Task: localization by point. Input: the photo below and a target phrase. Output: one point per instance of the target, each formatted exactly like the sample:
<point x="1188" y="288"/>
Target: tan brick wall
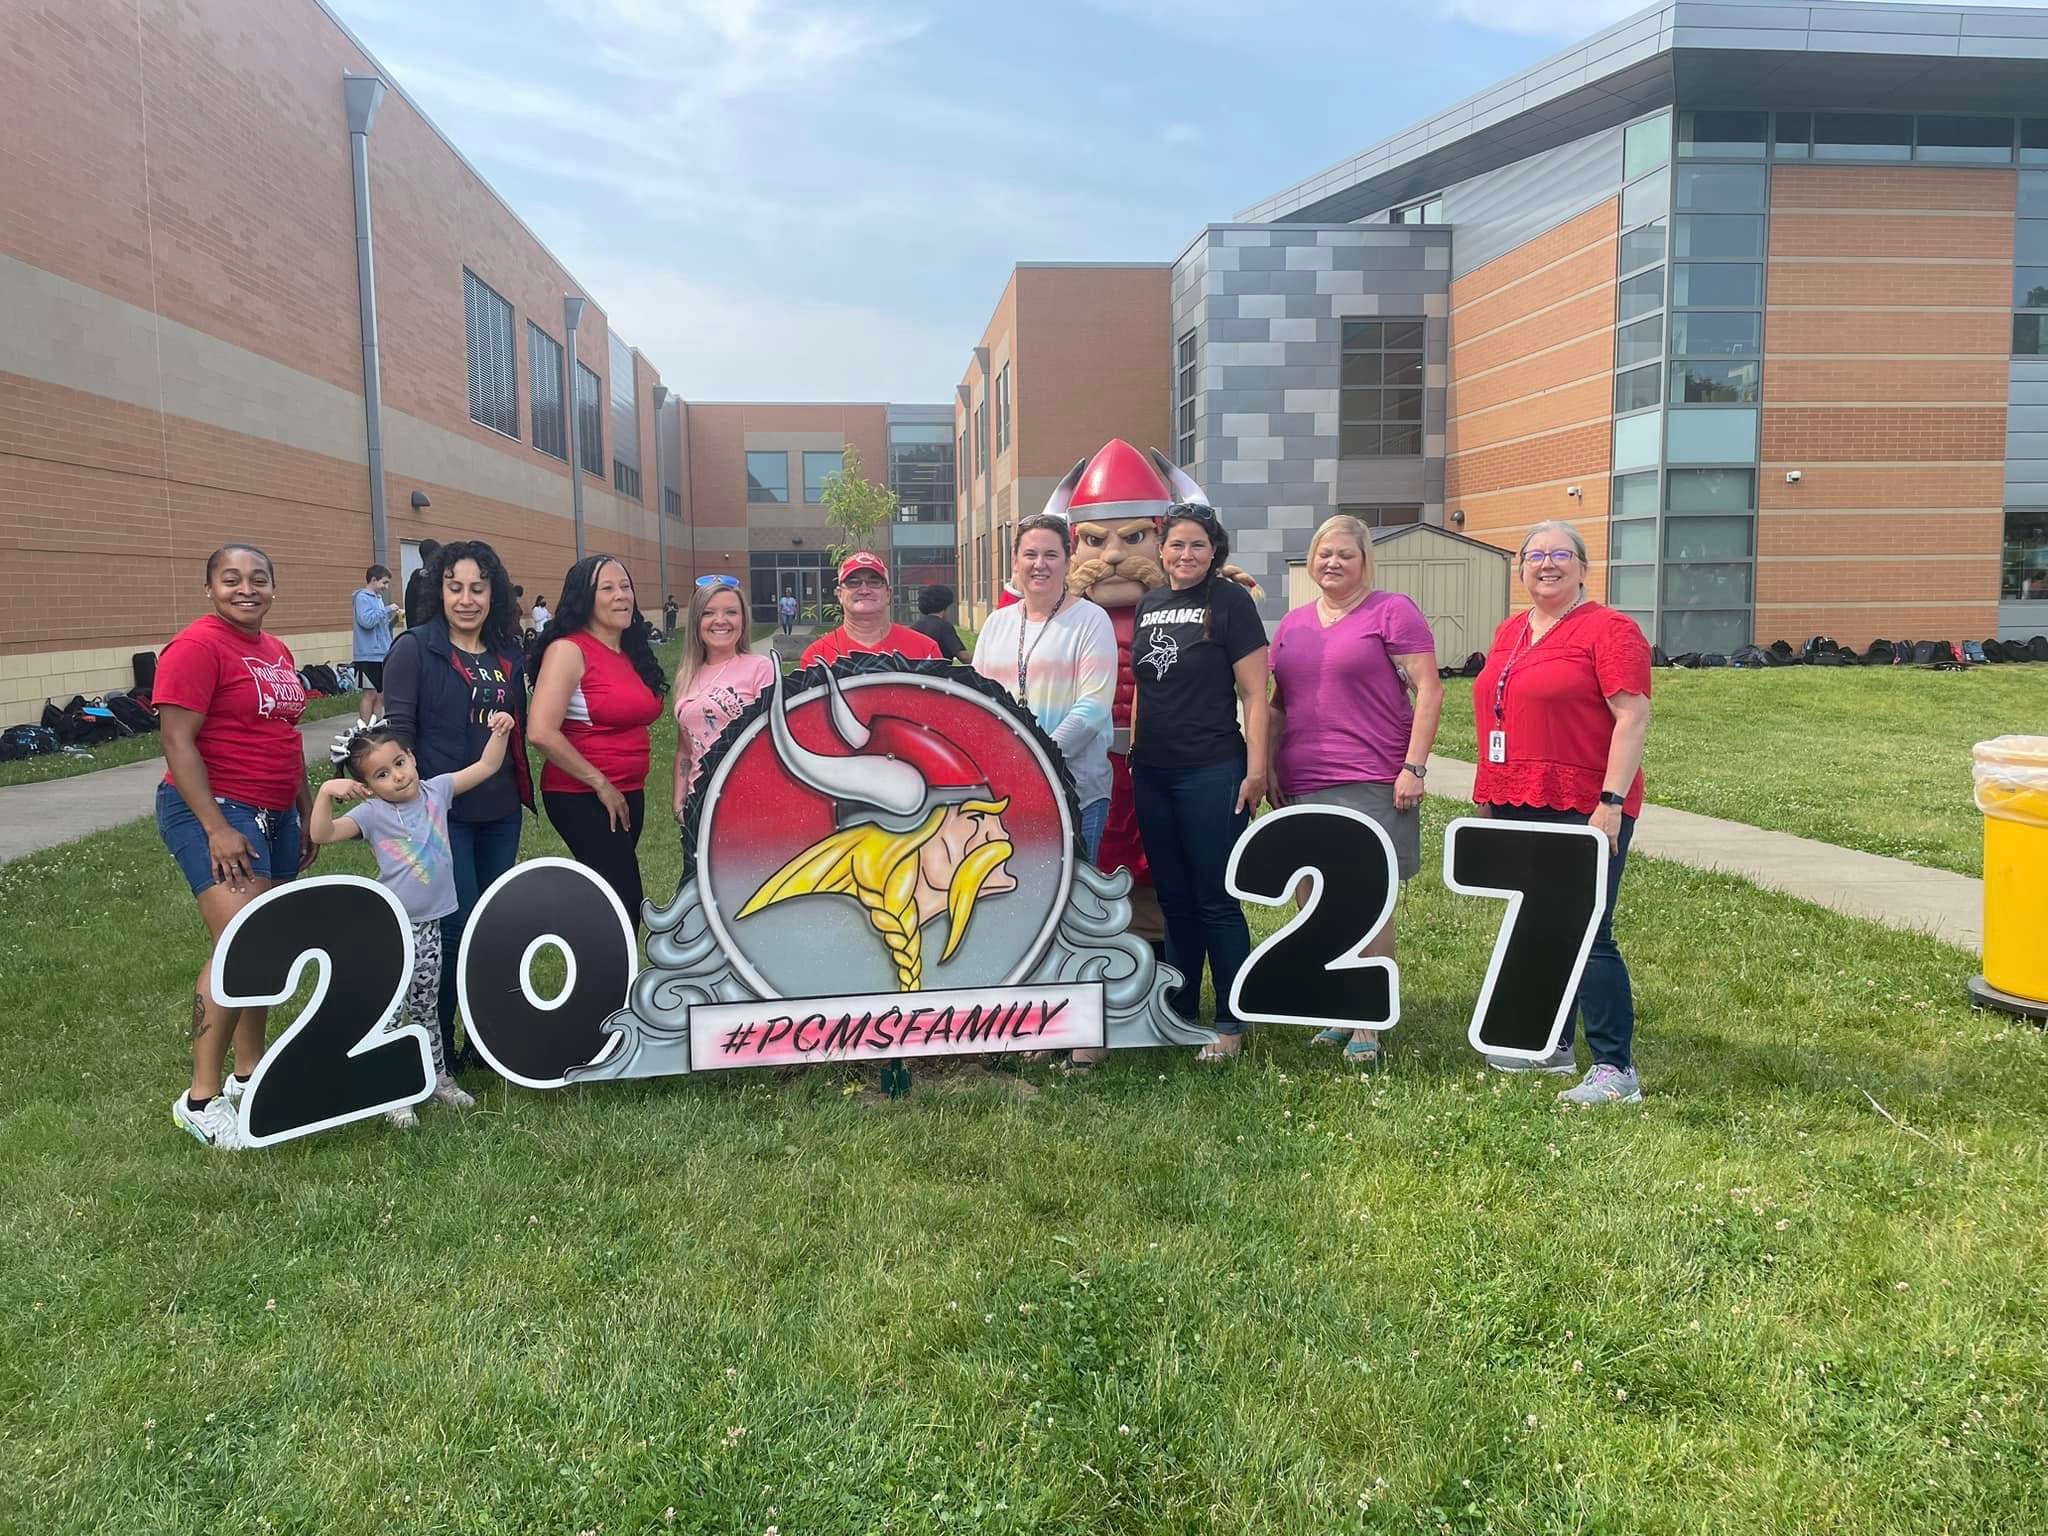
<point x="1884" y="386"/>
<point x="1530" y="405"/>
<point x="193" y="172"/>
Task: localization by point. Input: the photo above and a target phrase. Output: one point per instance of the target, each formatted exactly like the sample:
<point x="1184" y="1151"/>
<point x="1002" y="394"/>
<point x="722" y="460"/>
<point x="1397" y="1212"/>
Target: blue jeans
<point x="481" y="851"/>
<point x="1094" y="817"/>
<point x="1604" y="996"/>
<point x="273" y="837"/>
<point x="1188" y="822"/>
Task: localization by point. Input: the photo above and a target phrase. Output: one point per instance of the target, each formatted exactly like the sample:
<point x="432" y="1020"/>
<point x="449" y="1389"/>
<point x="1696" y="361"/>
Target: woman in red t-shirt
<point x="232" y="805"/>
<point x="597" y="687"/>
<point x="1562" y="708"/>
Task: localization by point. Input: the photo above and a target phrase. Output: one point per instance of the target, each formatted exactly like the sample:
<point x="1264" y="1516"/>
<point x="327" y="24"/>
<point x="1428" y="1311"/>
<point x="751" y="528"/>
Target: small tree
<point x="855" y="506"/>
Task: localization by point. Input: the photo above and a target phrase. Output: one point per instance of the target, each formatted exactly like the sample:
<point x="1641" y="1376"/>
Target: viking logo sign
<point x="880" y="861"/>
<point x="1164" y="653"/>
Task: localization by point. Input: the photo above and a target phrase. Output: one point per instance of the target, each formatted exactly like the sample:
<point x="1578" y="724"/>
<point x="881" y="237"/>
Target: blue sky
<point x="820" y="199"/>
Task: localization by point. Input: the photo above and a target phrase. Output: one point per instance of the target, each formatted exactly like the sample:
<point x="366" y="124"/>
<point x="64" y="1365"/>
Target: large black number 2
<point x="1554" y="880"/>
<point x="334" y="1064"/>
<point x="545" y="904"/>
<point x="1310" y="972"/>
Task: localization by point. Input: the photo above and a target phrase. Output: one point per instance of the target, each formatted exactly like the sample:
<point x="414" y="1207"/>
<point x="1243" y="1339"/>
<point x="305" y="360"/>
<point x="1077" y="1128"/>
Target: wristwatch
<point x="1609" y="797"/>
<point x="1417" y="769"/>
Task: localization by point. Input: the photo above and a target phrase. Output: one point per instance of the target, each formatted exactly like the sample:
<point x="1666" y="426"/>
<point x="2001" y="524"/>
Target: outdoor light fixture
<point x="420" y="502"/>
<point x="1458" y="517"/>
<point x="1575" y="493"/>
<point x="1791" y="477"/>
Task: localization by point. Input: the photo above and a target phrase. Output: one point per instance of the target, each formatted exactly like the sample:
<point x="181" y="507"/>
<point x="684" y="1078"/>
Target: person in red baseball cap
<point x="864" y="598"/>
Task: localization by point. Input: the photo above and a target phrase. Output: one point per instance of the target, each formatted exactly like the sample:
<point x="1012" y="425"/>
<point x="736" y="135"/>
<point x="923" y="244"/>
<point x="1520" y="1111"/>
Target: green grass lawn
<point x="1274" y="1297"/>
<point x="1872" y="758"/>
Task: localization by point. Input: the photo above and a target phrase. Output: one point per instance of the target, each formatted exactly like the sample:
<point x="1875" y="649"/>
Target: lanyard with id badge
<point x="1497" y="738"/>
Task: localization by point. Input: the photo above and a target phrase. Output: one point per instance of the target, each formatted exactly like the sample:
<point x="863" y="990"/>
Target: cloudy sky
<point x="820" y="199"/>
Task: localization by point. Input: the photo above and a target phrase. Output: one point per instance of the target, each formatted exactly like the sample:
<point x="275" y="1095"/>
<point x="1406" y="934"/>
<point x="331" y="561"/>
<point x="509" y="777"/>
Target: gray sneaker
<point x="1606" y="1085"/>
<point x="1560" y="1063"/>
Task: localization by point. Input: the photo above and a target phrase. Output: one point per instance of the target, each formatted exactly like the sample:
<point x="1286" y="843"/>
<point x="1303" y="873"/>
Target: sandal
<point x="1330" y="1037"/>
<point x="1080" y="1063"/>
<point x="1215" y="1052"/>
<point x="1362" y="1053"/>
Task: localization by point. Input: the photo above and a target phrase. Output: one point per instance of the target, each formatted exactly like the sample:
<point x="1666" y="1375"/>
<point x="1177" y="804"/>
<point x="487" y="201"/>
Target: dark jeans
<point x="614" y="857"/>
<point x="481" y="851"/>
<point x="1604" y="997"/>
<point x="1188" y="823"/>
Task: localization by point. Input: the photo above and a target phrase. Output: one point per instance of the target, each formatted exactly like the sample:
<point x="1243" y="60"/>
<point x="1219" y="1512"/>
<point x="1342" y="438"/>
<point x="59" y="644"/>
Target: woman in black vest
<point x="442" y="682"/>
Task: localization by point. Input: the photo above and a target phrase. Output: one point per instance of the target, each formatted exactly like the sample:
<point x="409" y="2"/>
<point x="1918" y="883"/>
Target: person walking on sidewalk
<point x="373" y="615"/>
<point x="785" y="608"/>
<point x="232" y="807"/>
<point x="1563" y="708"/>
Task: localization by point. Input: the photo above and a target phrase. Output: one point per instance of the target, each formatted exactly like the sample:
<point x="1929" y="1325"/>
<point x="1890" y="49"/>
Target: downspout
<point x="661" y="489"/>
<point x="361" y="95"/>
<point x="572" y="311"/>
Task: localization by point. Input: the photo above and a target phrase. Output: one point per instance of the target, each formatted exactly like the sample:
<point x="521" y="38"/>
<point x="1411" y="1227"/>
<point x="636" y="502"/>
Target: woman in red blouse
<point x="597" y="688"/>
<point x="232" y="806"/>
<point x="1562" y="708"/>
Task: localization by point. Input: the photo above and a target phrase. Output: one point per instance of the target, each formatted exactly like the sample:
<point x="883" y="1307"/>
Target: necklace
<point x="1330" y="614"/>
<point x="1024" y="656"/>
<point x="1534" y="637"/>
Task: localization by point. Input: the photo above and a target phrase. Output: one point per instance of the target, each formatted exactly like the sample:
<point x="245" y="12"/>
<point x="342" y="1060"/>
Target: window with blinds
<point x="589" y="420"/>
<point x="493" y="386"/>
<point x="544" y="384"/>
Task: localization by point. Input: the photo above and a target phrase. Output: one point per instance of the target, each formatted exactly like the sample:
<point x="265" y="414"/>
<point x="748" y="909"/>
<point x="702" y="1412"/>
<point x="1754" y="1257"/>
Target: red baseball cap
<point x="861" y="560"/>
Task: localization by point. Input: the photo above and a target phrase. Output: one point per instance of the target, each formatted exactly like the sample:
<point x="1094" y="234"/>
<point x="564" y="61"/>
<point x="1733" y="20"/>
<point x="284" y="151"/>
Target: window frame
<point x="590" y="416"/>
<point x="551" y="407"/>
<point x="754" y="482"/>
<point x="1350" y="396"/>
<point x="493" y="379"/>
<point x="839" y="458"/>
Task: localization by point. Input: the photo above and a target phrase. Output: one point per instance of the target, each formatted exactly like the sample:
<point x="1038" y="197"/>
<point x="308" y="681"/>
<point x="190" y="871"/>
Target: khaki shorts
<point x="1377" y="801"/>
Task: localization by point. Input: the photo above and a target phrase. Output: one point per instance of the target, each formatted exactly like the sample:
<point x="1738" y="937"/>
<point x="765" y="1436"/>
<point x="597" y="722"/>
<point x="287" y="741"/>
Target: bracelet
<point x="1417" y="769"/>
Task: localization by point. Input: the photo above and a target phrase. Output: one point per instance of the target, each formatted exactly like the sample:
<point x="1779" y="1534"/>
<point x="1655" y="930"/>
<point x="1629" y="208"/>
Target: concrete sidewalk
<point x="1950" y="907"/>
<point x="38" y="816"/>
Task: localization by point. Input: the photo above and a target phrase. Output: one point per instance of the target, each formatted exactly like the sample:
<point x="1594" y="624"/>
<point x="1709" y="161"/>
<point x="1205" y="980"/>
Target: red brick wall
<point x="1884" y="386"/>
<point x="1530" y="403"/>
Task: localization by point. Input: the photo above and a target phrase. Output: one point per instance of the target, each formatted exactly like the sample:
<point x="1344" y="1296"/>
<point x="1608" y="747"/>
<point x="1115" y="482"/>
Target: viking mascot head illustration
<point x="920" y="832"/>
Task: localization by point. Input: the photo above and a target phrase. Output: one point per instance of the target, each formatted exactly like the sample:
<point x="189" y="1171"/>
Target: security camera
<point x="1791" y="477"/>
<point x="1573" y="491"/>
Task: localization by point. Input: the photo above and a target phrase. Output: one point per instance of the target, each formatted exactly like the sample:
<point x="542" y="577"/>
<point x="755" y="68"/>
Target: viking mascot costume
<point x="1113" y="502"/>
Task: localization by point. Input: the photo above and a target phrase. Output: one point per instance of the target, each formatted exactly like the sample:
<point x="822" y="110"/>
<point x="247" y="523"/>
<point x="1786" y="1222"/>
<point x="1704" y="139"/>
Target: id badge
<point x="1496" y="746"/>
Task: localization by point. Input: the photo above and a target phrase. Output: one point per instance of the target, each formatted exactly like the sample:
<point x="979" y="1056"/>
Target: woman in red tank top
<point x="597" y="687"/>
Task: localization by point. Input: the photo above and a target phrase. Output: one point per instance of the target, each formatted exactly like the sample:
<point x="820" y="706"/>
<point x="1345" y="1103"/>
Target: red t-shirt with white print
<point x="247" y="693"/>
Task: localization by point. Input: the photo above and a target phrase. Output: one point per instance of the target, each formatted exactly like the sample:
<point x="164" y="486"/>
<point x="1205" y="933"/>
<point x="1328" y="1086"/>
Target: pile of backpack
<point x="322" y="681"/>
<point x="1821" y="651"/>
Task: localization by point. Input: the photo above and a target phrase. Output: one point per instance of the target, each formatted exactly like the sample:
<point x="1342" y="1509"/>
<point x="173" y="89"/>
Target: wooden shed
<point x="1459" y="583"/>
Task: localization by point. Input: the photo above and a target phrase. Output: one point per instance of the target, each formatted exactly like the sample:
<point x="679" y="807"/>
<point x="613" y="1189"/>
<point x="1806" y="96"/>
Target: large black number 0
<point x="545" y="904"/>
<point x="1554" y="880"/>
<point x="334" y="1064"/>
<point x="1310" y="972"/>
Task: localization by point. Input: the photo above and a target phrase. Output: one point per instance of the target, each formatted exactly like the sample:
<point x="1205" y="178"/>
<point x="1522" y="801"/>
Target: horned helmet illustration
<point x="920" y="832"/>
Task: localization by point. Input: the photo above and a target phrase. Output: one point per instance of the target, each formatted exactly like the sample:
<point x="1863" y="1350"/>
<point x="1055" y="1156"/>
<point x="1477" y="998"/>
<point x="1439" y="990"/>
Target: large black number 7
<point x="334" y="1064"/>
<point x="1554" y="880"/>
<point x="1310" y="972"/>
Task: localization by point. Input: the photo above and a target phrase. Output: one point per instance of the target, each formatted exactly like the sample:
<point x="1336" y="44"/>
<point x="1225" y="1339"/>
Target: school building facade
<point x="1753" y="294"/>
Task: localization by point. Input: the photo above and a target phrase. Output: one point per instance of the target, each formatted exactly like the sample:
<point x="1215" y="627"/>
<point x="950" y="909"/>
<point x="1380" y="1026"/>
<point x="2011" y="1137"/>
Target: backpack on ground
<point x="2037" y="648"/>
<point x="20" y="741"/>
<point x="137" y="716"/>
<point x="1749" y="657"/>
<point x="1473" y="663"/>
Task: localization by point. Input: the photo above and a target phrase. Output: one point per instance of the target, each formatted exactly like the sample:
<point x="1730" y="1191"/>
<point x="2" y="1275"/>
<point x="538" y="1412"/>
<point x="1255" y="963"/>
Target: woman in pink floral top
<point x="718" y="679"/>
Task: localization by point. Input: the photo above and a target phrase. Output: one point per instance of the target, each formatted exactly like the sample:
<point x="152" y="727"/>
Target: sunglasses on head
<point x="719" y="579"/>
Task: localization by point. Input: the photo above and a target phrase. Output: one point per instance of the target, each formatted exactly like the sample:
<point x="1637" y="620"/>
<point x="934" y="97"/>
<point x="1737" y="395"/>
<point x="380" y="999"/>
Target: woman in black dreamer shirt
<point x="1198" y="651"/>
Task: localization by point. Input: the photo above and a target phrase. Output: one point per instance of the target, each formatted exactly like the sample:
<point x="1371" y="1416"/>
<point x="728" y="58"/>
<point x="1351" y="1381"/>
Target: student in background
<point x="373" y="615"/>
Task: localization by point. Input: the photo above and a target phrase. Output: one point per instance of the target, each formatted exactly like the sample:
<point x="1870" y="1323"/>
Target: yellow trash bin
<point x="2010" y="775"/>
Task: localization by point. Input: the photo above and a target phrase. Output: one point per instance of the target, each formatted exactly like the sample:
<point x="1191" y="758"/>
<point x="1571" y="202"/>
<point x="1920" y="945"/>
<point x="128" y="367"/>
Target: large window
<point x="1380" y="516"/>
<point x="981" y="439"/>
<point x="2023" y="573"/>
<point x="625" y="418"/>
<point x="1430" y="210"/>
<point x="1003" y="410"/>
<point x="921" y="473"/>
<point x="544" y="371"/>
<point x="493" y="375"/>
<point x="1380" y="406"/>
<point x="1184" y="409"/>
<point x="2030" y="273"/>
<point x="768" y="477"/>
<point x="961" y="461"/>
<point x="816" y="467"/>
<point x="589" y="420"/>
<point x="672" y="504"/>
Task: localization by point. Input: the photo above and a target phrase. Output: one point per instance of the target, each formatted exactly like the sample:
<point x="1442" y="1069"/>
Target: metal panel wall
<point x="1494" y="213"/>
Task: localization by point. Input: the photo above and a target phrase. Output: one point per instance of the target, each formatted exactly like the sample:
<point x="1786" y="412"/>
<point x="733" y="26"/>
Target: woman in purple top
<point x="1356" y="699"/>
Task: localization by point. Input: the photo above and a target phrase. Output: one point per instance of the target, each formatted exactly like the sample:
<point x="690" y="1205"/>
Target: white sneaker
<point x="232" y="1088"/>
<point x="402" y="1119"/>
<point x="445" y="1092"/>
<point x="214" y="1126"/>
<point x="1559" y="1063"/>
